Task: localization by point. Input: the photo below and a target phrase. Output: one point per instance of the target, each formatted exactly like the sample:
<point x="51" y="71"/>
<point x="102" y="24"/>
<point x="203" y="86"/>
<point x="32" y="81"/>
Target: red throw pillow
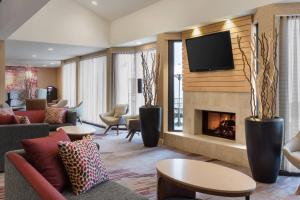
<point x="42" y="153"/>
<point x="34" y="116"/>
<point x="7" y="116"/>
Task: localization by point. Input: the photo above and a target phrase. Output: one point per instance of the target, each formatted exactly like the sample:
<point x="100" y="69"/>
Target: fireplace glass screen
<point x="219" y="124"/>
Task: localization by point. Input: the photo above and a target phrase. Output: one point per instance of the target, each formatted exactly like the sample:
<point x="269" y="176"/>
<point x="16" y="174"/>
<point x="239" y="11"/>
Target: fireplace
<point x="218" y="124"/>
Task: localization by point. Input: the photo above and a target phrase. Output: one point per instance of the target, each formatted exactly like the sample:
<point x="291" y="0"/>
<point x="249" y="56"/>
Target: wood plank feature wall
<point x="222" y="80"/>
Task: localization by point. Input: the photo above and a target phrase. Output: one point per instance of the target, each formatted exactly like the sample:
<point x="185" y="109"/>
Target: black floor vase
<point x="151" y="119"/>
<point x="264" y="140"/>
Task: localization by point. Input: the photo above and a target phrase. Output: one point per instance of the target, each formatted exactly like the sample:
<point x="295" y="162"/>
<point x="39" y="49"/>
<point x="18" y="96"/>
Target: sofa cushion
<point x="108" y="191"/>
<point x="83" y="163"/>
<point x="42" y="153"/>
<point x="55" y="115"/>
<point x="35" y="116"/>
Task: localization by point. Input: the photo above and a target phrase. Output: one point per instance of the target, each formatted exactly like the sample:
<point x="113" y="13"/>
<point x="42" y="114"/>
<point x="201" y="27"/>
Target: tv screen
<point x="210" y="52"/>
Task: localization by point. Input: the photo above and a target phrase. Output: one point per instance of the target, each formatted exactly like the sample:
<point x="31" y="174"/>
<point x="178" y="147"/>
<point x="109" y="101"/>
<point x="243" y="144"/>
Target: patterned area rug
<point x="133" y="165"/>
<point x="2" y="193"/>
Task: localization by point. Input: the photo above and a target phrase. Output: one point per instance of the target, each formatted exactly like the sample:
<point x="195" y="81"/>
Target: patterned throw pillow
<point x="83" y="163"/>
<point x="22" y="119"/>
<point x="55" y="115"/>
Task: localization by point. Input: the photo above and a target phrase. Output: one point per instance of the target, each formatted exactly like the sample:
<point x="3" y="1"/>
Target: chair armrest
<point x="293" y="145"/>
<point x="71" y="117"/>
<point x="18" y="170"/>
<point x="110" y="113"/>
<point x="12" y="135"/>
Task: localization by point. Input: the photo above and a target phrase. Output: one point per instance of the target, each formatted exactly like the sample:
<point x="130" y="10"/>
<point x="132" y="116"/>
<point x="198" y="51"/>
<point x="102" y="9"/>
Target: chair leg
<point x="129" y="133"/>
<point x="107" y="129"/>
<point x="79" y="120"/>
<point x="117" y="129"/>
<point x="132" y="134"/>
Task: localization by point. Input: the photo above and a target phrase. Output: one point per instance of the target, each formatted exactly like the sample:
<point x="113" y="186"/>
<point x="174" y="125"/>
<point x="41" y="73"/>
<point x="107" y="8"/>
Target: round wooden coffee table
<point x="183" y="178"/>
<point x="77" y="132"/>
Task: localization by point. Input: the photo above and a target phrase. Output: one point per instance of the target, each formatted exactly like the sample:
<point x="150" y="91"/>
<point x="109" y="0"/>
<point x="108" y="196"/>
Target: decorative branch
<point x="150" y="78"/>
<point x="263" y="81"/>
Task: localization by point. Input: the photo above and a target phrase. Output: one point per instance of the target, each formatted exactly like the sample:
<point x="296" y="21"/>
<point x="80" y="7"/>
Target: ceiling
<point x="38" y="54"/>
<point x="114" y="9"/>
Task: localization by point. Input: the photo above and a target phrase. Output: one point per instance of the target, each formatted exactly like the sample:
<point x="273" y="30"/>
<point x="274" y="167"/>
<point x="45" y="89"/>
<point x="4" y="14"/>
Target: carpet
<point x="133" y="165"/>
<point x="2" y="193"/>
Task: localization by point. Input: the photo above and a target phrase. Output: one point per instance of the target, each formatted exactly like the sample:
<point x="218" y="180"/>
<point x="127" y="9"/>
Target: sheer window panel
<point x="92" y="88"/>
<point x="289" y="81"/>
<point x="69" y="83"/>
<point x="125" y="81"/>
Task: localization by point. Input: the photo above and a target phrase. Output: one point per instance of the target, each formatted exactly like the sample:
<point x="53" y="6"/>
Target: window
<point x="289" y="79"/>
<point x="127" y="71"/>
<point x="125" y="82"/>
<point x="69" y="83"/>
<point x="175" y="117"/>
<point x="92" y="88"/>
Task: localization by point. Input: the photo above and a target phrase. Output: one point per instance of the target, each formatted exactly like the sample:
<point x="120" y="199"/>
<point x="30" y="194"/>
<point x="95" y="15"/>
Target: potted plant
<point x="264" y="129"/>
<point x="150" y="113"/>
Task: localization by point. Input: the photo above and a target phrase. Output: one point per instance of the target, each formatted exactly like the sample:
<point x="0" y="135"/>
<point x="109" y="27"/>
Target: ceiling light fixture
<point x="95" y="3"/>
<point x="52" y="63"/>
<point x="34" y="55"/>
<point x="138" y="42"/>
<point x="44" y="65"/>
<point x="50" y="49"/>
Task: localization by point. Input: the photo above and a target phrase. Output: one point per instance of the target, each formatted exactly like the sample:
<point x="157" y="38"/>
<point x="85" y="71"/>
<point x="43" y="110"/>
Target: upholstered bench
<point x="23" y="181"/>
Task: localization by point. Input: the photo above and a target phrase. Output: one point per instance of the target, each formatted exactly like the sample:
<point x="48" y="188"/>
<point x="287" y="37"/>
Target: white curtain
<point x="69" y="83"/>
<point x="289" y="87"/>
<point x="127" y="70"/>
<point x="125" y="80"/>
<point x="92" y="88"/>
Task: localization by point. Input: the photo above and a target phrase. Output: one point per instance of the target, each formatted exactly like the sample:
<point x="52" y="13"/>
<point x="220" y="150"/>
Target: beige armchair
<point x="291" y="150"/>
<point x="115" y="117"/>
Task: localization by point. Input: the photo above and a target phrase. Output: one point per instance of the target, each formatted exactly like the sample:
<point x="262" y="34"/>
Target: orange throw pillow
<point x="55" y="115"/>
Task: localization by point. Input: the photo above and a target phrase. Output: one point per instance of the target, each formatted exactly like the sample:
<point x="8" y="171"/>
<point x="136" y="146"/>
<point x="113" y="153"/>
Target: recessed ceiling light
<point x="50" y="49"/>
<point x="95" y="3"/>
<point x="34" y="55"/>
<point x="52" y="63"/>
<point x="138" y="42"/>
<point x="44" y="65"/>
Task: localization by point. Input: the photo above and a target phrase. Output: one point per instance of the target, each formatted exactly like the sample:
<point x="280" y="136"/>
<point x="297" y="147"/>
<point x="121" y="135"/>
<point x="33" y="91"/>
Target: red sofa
<point x="23" y="181"/>
<point x="38" y="116"/>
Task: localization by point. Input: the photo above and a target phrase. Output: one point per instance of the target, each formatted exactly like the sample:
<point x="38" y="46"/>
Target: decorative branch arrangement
<point x="261" y="71"/>
<point x="150" y="78"/>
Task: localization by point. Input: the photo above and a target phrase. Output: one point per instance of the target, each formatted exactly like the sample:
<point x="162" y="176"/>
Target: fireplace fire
<point x="219" y="124"/>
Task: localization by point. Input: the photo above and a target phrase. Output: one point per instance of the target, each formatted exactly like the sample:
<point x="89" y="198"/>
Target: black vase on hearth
<point x="264" y="141"/>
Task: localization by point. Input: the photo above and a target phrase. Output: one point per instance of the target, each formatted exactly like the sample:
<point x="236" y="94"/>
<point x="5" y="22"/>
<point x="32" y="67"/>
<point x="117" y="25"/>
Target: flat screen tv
<point x="210" y="52"/>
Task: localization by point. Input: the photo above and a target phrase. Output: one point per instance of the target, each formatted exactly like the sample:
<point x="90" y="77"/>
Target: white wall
<point x="174" y="15"/>
<point x="65" y="22"/>
<point x="13" y="13"/>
